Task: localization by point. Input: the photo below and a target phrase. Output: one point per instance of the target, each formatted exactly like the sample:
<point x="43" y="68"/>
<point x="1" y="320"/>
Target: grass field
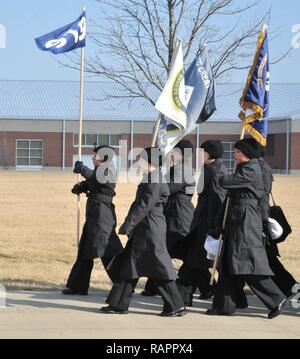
<point x="38" y="227"/>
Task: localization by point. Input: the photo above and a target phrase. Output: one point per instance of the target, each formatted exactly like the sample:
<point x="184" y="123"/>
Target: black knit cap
<point x="185" y="144"/>
<point x="153" y="156"/>
<point x="250" y="147"/>
<point x="109" y="151"/>
<point x="262" y="151"/>
<point x="214" y="148"/>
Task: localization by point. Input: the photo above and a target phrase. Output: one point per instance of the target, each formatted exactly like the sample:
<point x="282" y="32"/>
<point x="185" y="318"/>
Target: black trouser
<point x="80" y="275"/>
<point x="263" y="286"/>
<point x="191" y="278"/>
<point x="150" y="287"/>
<point x="121" y="294"/>
<point x="282" y="278"/>
<point x="239" y="295"/>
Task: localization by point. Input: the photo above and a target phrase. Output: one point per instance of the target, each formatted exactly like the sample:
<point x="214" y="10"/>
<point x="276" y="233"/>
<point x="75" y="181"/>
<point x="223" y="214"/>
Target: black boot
<point x="112" y="310"/>
<point x="207" y="295"/>
<point x="176" y="313"/>
<point x="277" y="310"/>
<point x="69" y="291"/>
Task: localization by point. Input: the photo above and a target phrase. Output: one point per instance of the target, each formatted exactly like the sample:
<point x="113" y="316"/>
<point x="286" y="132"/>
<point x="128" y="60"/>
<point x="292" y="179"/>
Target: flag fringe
<point x="253" y="67"/>
<point x="256" y="134"/>
<point x="259" y="112"/>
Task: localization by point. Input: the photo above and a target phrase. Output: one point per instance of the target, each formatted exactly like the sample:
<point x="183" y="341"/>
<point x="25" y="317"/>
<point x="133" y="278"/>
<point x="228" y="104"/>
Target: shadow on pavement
<point x="144" y="304"/>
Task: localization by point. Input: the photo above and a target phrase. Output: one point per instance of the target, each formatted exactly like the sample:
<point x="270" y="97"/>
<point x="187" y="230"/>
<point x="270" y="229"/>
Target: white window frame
<point x="97" y="134"/>
<point x="114" y="134"/>
<point x="29" y="166"/>
<point x="230" y="160"/>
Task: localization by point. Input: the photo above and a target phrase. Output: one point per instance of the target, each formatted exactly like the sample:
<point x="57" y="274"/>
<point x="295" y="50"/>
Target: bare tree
<point x="138" y="36"/>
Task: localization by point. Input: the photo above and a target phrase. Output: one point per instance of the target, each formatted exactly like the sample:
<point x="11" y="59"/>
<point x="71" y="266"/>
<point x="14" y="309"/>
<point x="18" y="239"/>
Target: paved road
<point x="35" y="314"/>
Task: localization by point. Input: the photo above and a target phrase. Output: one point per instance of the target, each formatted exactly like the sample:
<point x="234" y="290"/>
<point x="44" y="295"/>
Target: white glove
<point x="211" y="245"/>
<point x="275" y="229"/>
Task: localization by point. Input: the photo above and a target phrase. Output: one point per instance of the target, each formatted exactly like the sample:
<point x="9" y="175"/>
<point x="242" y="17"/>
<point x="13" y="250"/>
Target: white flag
<point x="172" y="101"/>
<point x="200" y="98"/>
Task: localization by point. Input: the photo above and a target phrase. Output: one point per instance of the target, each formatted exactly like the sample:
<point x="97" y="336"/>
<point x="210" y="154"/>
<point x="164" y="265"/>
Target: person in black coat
<point x="194" y="271"/>
<point x="282" y="278"/>
<point x="145" y="254"/>
<point x="243" y="255"/>
<point x="179" y="209"/>
<point x="99" y="238"/>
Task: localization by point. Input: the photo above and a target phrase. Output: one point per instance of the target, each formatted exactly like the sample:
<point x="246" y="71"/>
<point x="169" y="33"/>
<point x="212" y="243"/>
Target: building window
<point x="29" y="153"/>
<point x="114" y="140"/>
<point x="92" y="140"/>
<point x="103" y="140"/>
<point x="228" y="159"/>
<point x="75" y="140"/>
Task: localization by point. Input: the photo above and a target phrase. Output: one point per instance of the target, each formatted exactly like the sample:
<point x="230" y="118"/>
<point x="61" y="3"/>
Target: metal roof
<point x="284" y="101"/>
<point x="22" y="99"/>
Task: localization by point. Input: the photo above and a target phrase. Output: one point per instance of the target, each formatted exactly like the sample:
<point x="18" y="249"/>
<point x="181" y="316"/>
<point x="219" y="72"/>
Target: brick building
<point x="39" y="123"/>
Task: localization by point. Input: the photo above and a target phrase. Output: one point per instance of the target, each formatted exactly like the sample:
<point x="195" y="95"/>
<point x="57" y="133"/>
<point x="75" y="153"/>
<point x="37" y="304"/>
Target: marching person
<point x="145" y="254"/>
<point x="179" y="209"/>
<point x="244" y="256"/>
<point x="282" y="278"/>
<point x="99" y="238"/>
<point x="194" y="271"/>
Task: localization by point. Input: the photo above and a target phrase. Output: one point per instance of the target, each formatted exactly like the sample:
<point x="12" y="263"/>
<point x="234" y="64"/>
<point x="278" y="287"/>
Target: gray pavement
<point x="37" y="314"/>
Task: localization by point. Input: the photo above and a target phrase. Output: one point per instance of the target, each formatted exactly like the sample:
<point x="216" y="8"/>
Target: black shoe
<point x="146" y="293"/>
<point x="207" y="295"/>
<point x="189" y="304"/>
<point x="176" y="313"/>
<point x="277" y="310"/>
<point x="69" y="291"/>
<point x="112" y="310"/>
<point x="216" y="312"/>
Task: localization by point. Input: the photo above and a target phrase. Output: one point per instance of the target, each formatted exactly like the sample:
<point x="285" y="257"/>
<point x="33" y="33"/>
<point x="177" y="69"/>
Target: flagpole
<point x="223" y="224"/>
<point x="80" y="134"/>
<point x="154" y="137"/>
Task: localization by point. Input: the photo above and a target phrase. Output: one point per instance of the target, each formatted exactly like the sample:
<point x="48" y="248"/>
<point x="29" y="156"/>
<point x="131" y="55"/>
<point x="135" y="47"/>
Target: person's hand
<point x="76" y="189"/>
<point x="122" y="229"/>
<point x="78" y="167"/>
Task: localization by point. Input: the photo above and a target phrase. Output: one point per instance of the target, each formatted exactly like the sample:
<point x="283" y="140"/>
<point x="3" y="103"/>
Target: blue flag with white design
<point x="200" y="100"/>
<point x="66" y="38"/>
<point x="255" y="98"/>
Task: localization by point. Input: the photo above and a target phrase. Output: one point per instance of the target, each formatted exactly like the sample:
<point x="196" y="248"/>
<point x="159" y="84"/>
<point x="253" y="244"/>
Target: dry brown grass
<point x="38" y="227"/>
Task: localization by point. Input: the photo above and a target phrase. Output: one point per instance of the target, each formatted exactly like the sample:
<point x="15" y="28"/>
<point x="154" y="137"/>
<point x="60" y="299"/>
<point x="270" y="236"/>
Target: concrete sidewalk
<point x="51" y="315"/>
